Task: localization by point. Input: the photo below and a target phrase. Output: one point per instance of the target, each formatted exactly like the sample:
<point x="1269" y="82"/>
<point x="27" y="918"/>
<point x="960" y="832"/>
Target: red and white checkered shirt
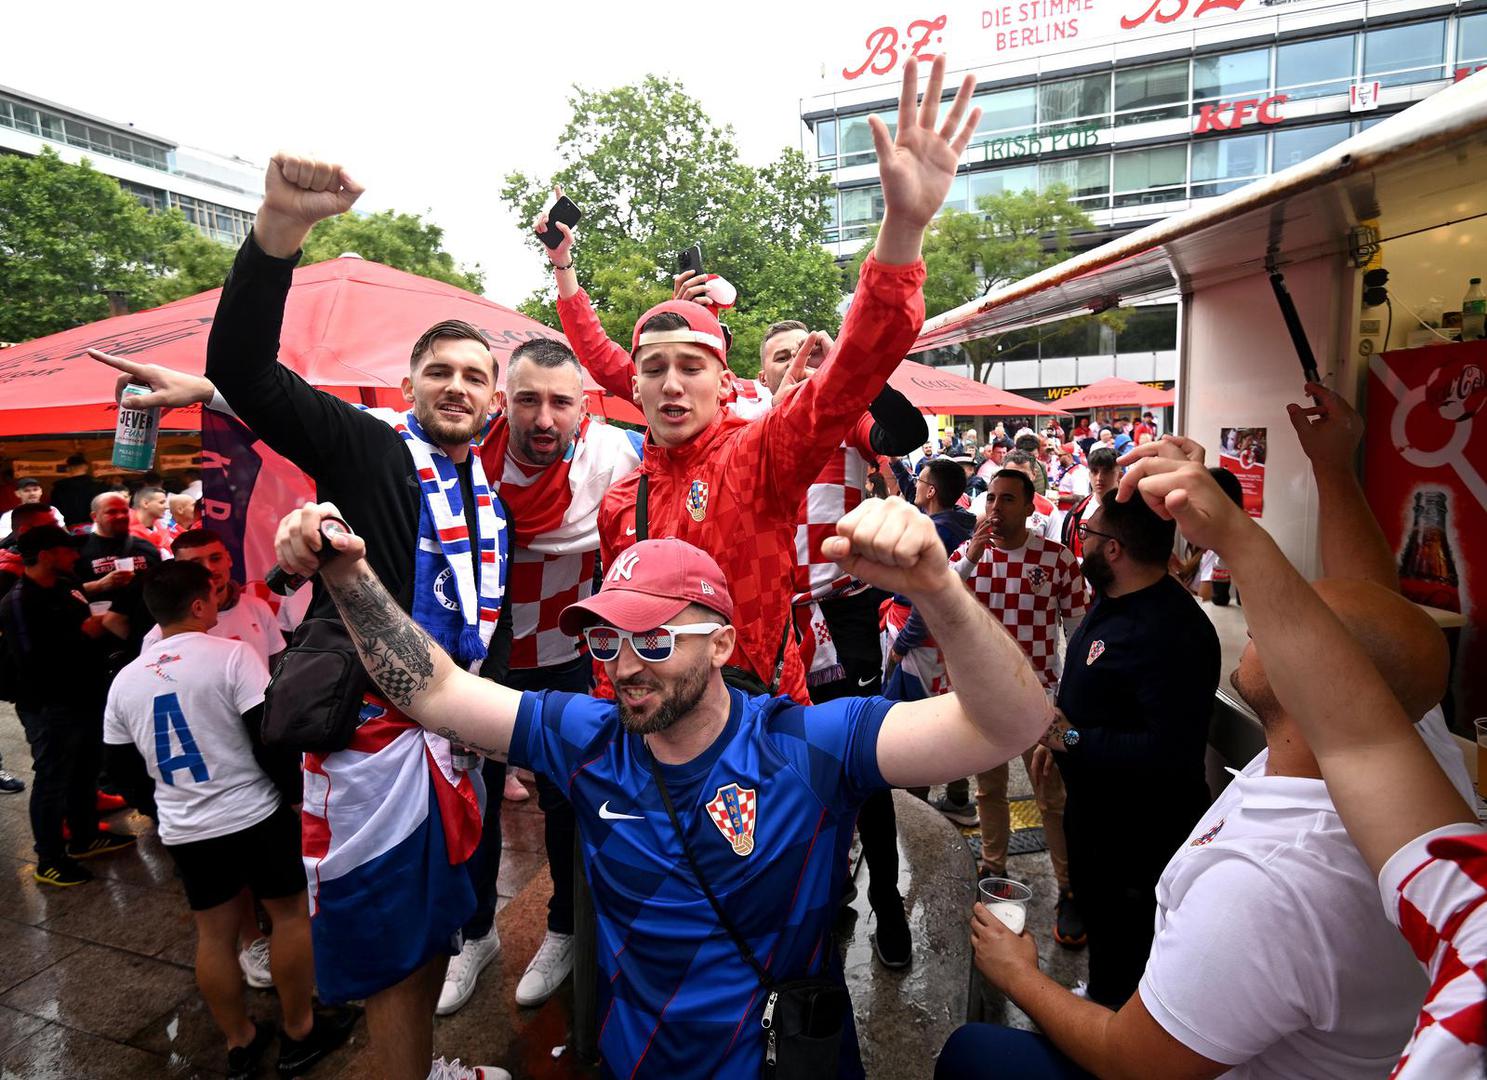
<point x="540" y="587"/>
<point x="837" y="491"/>
<point x="1028" y="590"/>
<point x="1435" y="891"/>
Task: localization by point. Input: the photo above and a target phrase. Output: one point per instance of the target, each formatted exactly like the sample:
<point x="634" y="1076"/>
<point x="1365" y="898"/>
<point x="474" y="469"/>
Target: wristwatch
<point x="1070" y="737"/>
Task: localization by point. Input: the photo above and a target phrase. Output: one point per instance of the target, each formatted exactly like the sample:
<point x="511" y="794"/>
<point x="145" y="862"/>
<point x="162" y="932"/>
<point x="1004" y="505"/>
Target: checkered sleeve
<point x="556" y="734"/>
<point x="1072" y="601"/>
<point x="962" y="563"/>
<point x="834" y="747"/>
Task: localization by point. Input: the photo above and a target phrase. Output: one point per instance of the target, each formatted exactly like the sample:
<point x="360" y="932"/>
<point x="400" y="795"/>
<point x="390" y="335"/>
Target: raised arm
<point x="1353" y="545"/>
<point x="416" y="675"/>
<point x="1383" y="780"/>
<point x="998" y="709"/>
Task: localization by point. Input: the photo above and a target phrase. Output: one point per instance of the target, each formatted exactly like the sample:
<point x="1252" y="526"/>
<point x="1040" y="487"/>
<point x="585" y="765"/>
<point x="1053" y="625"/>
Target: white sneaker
<point x="453" y="1070"/>
<point x="515" y="790"/>
<point x="464" y="969"/>
<point x="548" y="969"/>
<point x="254" y="962"/>
<point x="1081" y="989"/>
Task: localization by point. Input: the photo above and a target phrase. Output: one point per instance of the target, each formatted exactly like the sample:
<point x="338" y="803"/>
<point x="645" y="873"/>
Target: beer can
<point x="464" y="758"/>
<point x="135" y="433"/>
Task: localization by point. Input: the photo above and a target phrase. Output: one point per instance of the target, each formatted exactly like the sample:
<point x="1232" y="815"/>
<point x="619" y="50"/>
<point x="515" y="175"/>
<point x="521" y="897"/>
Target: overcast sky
<point x="429" y="103"/>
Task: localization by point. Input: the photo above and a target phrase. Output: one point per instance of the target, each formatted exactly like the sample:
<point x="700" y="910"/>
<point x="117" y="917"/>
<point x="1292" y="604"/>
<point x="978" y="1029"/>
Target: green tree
<point x="68" y="236"/>
<point x="653" y="174"/>
<point x="1011" y="236"/>
<point x="402" y="241"/>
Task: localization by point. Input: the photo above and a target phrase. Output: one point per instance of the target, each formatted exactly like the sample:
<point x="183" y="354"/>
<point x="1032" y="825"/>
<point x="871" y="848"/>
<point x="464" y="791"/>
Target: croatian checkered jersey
<point x="768" y="812"/>
<point x="838" y="490"/>
<point x="1435" y="891"/>
<point x="1029" y="590"/>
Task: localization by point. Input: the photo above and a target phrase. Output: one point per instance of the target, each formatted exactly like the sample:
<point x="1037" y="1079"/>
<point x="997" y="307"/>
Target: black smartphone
<point x="564" y="210"/>
<point x="689" y="262"/>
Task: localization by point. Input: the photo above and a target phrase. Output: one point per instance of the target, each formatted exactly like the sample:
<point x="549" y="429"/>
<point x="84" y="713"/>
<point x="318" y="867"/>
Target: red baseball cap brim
<point x="629" y="610"/>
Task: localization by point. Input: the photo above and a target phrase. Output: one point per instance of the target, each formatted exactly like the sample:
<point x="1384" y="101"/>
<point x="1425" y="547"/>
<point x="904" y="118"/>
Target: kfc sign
<point x="1226" y="116"/>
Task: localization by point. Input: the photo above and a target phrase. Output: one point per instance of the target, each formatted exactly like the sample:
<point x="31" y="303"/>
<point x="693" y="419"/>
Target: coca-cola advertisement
<point x="1425" y="459"/>
<point x="1242" y="452"/>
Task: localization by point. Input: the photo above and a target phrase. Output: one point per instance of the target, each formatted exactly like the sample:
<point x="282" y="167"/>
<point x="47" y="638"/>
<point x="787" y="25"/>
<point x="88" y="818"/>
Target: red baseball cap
<point x="702" y="329"/>
<point x="649" y="583"/>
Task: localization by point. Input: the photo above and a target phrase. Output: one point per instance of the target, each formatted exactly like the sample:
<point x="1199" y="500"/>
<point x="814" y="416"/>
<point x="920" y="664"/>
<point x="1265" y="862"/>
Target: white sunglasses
<point x="652" y="646"/>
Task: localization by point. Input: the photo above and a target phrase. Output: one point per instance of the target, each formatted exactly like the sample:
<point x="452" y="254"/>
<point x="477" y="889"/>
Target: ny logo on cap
<point x="624" y="566"/>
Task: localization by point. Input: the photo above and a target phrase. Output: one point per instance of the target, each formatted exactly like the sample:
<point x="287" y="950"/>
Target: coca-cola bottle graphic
<point x="1427" y="572"/>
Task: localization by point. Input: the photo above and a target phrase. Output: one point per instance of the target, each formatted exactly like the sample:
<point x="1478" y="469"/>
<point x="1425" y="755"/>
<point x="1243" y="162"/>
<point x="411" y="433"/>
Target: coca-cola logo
<point x="1457" y="391"/>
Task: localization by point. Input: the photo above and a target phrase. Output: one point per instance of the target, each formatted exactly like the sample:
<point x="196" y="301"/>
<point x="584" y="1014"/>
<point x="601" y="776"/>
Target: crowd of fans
<point x="718" y="653"/>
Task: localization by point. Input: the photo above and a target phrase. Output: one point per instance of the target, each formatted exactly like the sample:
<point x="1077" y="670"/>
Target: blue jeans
<point x="1003" y="1053"/>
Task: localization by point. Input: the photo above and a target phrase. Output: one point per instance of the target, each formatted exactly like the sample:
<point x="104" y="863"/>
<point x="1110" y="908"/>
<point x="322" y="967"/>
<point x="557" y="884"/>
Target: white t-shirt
<point x="1435" y="891"/>
<point x="1432" y="728"/>
<point x="250" y="621"/>
<point x="181" y="703"/>
<point x="1271" y="952"/>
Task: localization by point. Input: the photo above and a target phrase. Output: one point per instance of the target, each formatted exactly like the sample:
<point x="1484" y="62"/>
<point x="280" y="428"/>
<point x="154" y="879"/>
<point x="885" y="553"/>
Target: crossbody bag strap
<point x="743" y="946"/>
<point x="643" y="507"/>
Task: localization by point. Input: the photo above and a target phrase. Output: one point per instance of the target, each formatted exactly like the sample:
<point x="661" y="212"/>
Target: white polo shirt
<point x="1272" y="952"/>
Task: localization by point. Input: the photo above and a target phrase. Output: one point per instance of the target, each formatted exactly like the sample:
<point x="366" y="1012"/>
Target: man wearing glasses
<point x="1129" y="735"/>
<point x="764" y="790"/>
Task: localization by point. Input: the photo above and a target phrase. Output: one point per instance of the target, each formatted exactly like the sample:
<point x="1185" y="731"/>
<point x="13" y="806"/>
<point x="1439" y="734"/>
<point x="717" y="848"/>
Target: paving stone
<point x="133" y="917"/>
<point x="104" y="992"/>
<point x="27" y="950"/>
<point x="55" y="1052"/>
<point x="16" y="1026"/>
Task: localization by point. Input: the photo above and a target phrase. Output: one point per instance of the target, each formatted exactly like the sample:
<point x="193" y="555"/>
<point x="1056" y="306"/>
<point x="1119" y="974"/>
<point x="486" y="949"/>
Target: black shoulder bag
<point x="735" y="676"/>
<point x="803" y="1019"/>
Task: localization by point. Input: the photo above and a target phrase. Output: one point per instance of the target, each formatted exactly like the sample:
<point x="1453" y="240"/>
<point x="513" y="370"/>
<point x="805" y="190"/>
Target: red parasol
<point x="348" y="327"/>
<point x="933" y="390"/>
<point x="1114" y="392"/>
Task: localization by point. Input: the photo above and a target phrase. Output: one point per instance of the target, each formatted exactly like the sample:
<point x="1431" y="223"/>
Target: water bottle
<point x="1473" y="311"/>
<point x="135" y="432"/>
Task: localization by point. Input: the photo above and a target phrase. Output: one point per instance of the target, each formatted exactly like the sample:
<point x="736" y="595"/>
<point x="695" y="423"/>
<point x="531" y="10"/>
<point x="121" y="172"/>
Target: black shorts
<point x="264" y="858"/>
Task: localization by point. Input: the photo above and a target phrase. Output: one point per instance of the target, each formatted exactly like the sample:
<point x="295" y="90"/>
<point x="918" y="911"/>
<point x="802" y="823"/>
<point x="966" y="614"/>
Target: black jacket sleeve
<point x="315" y="430"/>
<point x="898" y="427"/>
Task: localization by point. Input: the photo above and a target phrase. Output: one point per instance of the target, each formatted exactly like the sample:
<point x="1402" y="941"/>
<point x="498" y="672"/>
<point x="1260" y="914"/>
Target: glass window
<point x="51" y="126"/>
<point x="826" y="138"/>
<point x="1140" y="170"/>
<point x="1293" y="145"/>
<point x="1404" y="54"/>
<point x="855" y="138"/>
<point x="1006" y="112"/>
<point x="1306" y="69"/>
<point x="1148" y="329"/>
<point x="955" y="199"/>
<point x="1147" y="89"/>
<point x="1082" y="178"/>
<point x="1084" y="100"/>
<point x="994" y="182"/>
<point x="1230" y="74"/>
<point x="862" y="208"/>
<point x="1471" y="40"/>
<point x="1233" y="160"/>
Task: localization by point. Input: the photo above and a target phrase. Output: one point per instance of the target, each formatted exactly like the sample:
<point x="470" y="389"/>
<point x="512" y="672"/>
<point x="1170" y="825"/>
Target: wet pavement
<point x="96" y="981"/>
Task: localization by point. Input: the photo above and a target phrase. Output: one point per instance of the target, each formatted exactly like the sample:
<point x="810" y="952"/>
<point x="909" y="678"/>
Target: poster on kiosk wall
<point x="1425" y="471"/>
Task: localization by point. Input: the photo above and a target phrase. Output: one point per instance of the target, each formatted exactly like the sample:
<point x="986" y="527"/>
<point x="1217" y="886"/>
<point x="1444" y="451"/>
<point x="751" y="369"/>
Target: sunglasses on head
<point x="652" y="646"/>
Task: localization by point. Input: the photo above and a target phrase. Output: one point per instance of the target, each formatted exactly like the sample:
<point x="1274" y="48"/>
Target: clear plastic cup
<point x="1007" y="900"/>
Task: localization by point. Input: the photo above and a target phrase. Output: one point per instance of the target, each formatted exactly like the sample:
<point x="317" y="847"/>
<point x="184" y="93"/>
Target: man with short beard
<point x="111" y="561"/>
<point x="1104" y="475"/>
<point x="391" y="822"/>
<point x="1130" y="736"/>
<point x="759" y="791"/>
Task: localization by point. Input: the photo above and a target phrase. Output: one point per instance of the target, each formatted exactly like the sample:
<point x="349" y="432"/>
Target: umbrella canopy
<point x="932" y="390"/>
<point x="1115" y="391"/>
<point x="349" y="325"/>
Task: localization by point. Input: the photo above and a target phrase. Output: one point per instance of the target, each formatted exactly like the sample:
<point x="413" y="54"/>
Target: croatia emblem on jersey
<point x="1096" y="650"/>
<point x="697" y="500"/>
<point x="1209" y="835"/>
<point x="734" y="811"/>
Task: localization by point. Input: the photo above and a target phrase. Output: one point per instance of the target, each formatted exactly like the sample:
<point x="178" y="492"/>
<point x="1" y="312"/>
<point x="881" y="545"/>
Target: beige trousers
<point x="996" y="820"/>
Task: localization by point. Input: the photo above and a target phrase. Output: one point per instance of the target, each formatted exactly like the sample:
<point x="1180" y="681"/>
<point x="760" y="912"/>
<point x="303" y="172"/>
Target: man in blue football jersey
<point x="766" y="790"/>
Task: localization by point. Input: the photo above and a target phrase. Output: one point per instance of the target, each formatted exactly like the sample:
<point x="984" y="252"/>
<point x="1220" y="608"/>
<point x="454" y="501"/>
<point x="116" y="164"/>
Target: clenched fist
<point x="891" y="544"/>
<point x="298" y="192"/>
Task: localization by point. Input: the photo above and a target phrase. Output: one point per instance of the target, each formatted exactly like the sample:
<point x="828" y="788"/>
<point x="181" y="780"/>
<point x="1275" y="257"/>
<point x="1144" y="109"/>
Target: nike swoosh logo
<point x="609" y="815"/>
<point x="630" y="532"/>
<point x="867" y="681"/>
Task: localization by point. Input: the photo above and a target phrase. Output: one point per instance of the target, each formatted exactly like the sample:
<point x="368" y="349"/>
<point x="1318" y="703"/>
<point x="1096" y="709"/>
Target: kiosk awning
<point x="1422" y="168"/>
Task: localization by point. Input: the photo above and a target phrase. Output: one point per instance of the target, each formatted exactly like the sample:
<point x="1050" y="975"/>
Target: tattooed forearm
<point x="464" y="740"/>
<point x="397" y="654"/>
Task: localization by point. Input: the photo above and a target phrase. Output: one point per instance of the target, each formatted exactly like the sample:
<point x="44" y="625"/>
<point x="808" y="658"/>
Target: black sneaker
<point x="243" y="1061"/>
<point x="62" y="873"/>
<point x="9" y="785"/>
<point x="1068" y="926"/>
<point x="892" y="943"/>
<point x="332" y="1028"/>
<point x="962" y="813"/>
<point x="102" y="844"/>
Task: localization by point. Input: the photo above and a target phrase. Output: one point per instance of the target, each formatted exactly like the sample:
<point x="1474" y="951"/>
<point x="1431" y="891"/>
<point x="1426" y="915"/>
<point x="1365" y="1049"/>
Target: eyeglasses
<point x="652" y="646"/>
<point x="1085" y="532"/>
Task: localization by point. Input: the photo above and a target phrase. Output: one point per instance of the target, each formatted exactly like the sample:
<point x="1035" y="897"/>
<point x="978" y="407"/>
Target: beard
<point x="1097" y="571"/>
<point x="442" y="430"/>
<point x="681" y="699"/>
<point x="531" y="455"/>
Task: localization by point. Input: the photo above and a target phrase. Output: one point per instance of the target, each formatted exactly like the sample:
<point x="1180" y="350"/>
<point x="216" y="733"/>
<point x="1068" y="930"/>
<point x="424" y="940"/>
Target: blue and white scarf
<point x="446" y="601"/>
